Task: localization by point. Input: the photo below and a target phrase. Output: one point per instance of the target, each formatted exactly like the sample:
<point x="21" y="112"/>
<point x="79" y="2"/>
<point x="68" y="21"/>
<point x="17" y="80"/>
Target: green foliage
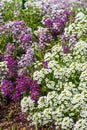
<point x="13" y="11"/>
<point x="9" y="116"/>
<point x="13" y="127"/>
<point x="1" y="98"/>
<point x="31" y="16"/>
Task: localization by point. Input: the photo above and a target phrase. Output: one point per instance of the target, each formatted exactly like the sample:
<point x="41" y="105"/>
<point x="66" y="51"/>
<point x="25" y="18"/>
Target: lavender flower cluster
<point x="54" y="26"/>
<point x="17" y="32"/>
<point x="57" y="21"/>
<point x="46" y="6"/>
<point x="20" y="45"/>
<point x="19" y="54"/>
<point x="25" y="61"/>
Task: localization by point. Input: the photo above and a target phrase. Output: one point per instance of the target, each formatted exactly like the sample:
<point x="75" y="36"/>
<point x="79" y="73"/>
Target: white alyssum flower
<point x="79" y="26"/>
<point x="3" y="69"/>
<point x="42" y="102"/>
<point x="81" y="124"/>
<point x="67" y="123"/>
<point x="3" y="65"/>
<point x="27" y="104"/>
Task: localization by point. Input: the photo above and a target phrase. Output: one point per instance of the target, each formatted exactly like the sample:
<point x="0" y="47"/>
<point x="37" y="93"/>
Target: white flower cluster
<point x="3" y="65"/>
<point x="40" y="75"/>
<point x="3" y="68"/>
<point x="40" y="30"/>
<point x="27" y="104"/>
<point x="81" y="54"/>
<point x="33" y="3"/>
<point x="66" y="80"/>
<point x="81" y="125"/>
<point x="9" y="1"/>
<point x="79" y="27"/>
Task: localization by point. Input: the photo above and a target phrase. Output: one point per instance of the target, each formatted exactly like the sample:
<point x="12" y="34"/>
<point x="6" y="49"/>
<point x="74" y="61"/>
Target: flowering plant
<point x="19" y="54"/>
<point x="3" y="71"/>
<point x="45" y="60"/>
<point x="75" y="31"/>
<point x="65" y="80"/>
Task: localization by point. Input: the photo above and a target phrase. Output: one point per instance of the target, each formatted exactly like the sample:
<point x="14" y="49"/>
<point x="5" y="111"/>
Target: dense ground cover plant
<point x="12" y="10"/>
<point x="22" y="86"/>
<point x="75" y="31"/>
<point x="19" y="48"/>
<point x="54" y="26"/>
<point x="44" y="53"/>
<point x="15" y="32"/>
<point x="64" y="80"/>
<point x="19" y="55"/>
<point x="54" y="20"/>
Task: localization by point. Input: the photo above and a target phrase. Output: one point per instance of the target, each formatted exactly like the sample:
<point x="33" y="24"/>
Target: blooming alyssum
<point x="79" y="27"/>
<point x="19" y="88"/>
<point x="3" y="69"/>
<point x="75" y="31"/>
<point x="66" y="81"/>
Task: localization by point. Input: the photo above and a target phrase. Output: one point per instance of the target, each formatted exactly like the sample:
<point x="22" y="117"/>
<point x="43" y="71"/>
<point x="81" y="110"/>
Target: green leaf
<point x="39" y="54"/>
<point x="13" y="127"/>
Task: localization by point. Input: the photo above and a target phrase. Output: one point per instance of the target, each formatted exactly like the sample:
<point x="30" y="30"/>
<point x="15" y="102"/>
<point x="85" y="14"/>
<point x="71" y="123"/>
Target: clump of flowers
<point x="12" y="66"/>
<point x="19" y="44"/>
<point x="25" y="61"/>
<point x="46" y="6"/>
<point x="55" y="23"/>
<point x="65" y="81"/>
<point x="19" y="55"/>
<point x="75" y="31"/>
<point x="44" y="35"/>
<point x="16" y="32"/>
<point x="21" y="87"/>
<point x="15" y="85"/>
<point x="79" y="27"/>
<point x="10" y="51"/>
<point x="3" y="69"/>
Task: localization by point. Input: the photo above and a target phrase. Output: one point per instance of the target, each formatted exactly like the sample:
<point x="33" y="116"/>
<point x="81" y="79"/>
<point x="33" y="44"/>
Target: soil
<point x="9" y="118"/>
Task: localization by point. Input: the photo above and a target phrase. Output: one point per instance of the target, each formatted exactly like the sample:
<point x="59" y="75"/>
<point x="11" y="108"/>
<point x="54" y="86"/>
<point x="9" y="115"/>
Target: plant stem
<point x="23" y="2"/>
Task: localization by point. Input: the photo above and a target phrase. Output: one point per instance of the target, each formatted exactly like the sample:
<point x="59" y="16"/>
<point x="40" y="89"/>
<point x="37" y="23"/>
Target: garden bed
<point x="43" y="65"/>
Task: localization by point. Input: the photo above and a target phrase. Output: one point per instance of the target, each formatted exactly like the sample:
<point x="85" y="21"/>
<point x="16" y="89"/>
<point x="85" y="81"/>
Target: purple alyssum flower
<point x="12" y="66"/>
<point x="21" y="87"/>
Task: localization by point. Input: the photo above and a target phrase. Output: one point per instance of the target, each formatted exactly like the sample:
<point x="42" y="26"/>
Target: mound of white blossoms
<point x="65" y="79"/>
